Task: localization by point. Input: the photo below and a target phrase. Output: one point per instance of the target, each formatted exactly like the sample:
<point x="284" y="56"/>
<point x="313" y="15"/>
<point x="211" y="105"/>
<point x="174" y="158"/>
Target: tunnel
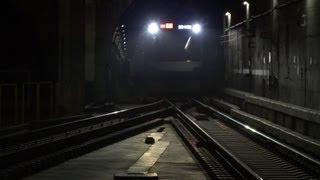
<point x="160" y="89"/>
<point x="163" y="51"/>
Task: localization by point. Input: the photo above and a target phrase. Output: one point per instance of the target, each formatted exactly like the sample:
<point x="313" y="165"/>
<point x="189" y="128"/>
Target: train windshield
<point x="175" y="45"/>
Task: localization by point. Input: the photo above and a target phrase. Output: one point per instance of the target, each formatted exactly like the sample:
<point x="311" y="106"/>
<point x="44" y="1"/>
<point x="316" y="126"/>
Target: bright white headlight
<point x="153" y="28"/>
<point x="196" y="28"/>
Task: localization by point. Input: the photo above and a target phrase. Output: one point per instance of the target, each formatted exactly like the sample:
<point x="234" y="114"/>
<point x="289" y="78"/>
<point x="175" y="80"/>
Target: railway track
<point x="216" y="164"/>
<point x="26" y="153"/>
<point x="255" y="155"/>
<point x="225" y="148"/>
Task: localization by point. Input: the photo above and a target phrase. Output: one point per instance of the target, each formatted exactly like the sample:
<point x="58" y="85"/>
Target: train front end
<point x="170" y="57"/>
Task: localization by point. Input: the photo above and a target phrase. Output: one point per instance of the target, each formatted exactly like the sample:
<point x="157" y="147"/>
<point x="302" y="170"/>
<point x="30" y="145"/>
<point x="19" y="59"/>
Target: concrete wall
<point x="278" y="57"/>
<point x="70" y="94"/>
<point x="64" y="45"/>
<point x="85" y="39"/>
<point x="107" y="15"/>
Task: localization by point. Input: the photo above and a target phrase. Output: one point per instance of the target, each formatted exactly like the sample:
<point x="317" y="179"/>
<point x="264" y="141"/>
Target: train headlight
<point x="196" y="28"/>
<point x="153" y="28"/>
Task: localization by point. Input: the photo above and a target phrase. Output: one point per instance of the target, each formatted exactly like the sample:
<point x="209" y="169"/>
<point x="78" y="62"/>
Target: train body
<point x="173" y="46"/>
<point x="176" y="57"/>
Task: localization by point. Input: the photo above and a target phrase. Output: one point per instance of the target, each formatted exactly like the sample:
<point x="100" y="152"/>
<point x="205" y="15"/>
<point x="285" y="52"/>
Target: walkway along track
<point x="220" y="152"/>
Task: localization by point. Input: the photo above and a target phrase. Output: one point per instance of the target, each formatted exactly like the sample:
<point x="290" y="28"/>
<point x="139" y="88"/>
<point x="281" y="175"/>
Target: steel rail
<point x="22" y="160"/>
<point x="212" y="144"/>
<point x="211" y="162"/>
<point x="34" y="134"/>
<point x="309" y="159"/>
<point x="37" y="164"/>
<point x="20" y="152"/>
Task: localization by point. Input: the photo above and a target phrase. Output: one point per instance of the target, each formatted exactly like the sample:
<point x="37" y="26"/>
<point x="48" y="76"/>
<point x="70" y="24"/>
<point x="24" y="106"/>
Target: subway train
<point x="172" y="46"/>
<point x="169" y="47"/>
<point x="176" y="57"/>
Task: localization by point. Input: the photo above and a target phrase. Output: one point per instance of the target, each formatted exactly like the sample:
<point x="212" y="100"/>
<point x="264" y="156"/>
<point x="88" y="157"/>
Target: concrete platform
<point x="174" y="163"/>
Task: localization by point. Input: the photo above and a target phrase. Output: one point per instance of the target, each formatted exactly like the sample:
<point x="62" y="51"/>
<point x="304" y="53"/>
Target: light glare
<point x="181" y="27"/>
<point x="153" y="28"/>
<point x="169" y="25"/>
<point x="196" y="28"/>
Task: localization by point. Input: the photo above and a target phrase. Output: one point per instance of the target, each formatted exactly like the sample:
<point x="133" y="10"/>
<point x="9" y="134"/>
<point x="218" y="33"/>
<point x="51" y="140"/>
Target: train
<point x="164" y="49"/>
<point x="176" y="57"/>
<point x="172" y="46"/>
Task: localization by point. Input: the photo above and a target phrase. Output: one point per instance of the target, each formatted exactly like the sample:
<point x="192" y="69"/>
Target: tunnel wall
<point x="56" y="58"/>
<point x="278" y="57"/>
<point x="105" y="76"/>
<point x="85" y="41"/>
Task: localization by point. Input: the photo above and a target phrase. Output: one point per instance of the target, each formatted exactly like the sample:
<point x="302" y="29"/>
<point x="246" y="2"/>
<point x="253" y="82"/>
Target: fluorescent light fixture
<point x="196" y="28"/>
<point x="153" y="28"/>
